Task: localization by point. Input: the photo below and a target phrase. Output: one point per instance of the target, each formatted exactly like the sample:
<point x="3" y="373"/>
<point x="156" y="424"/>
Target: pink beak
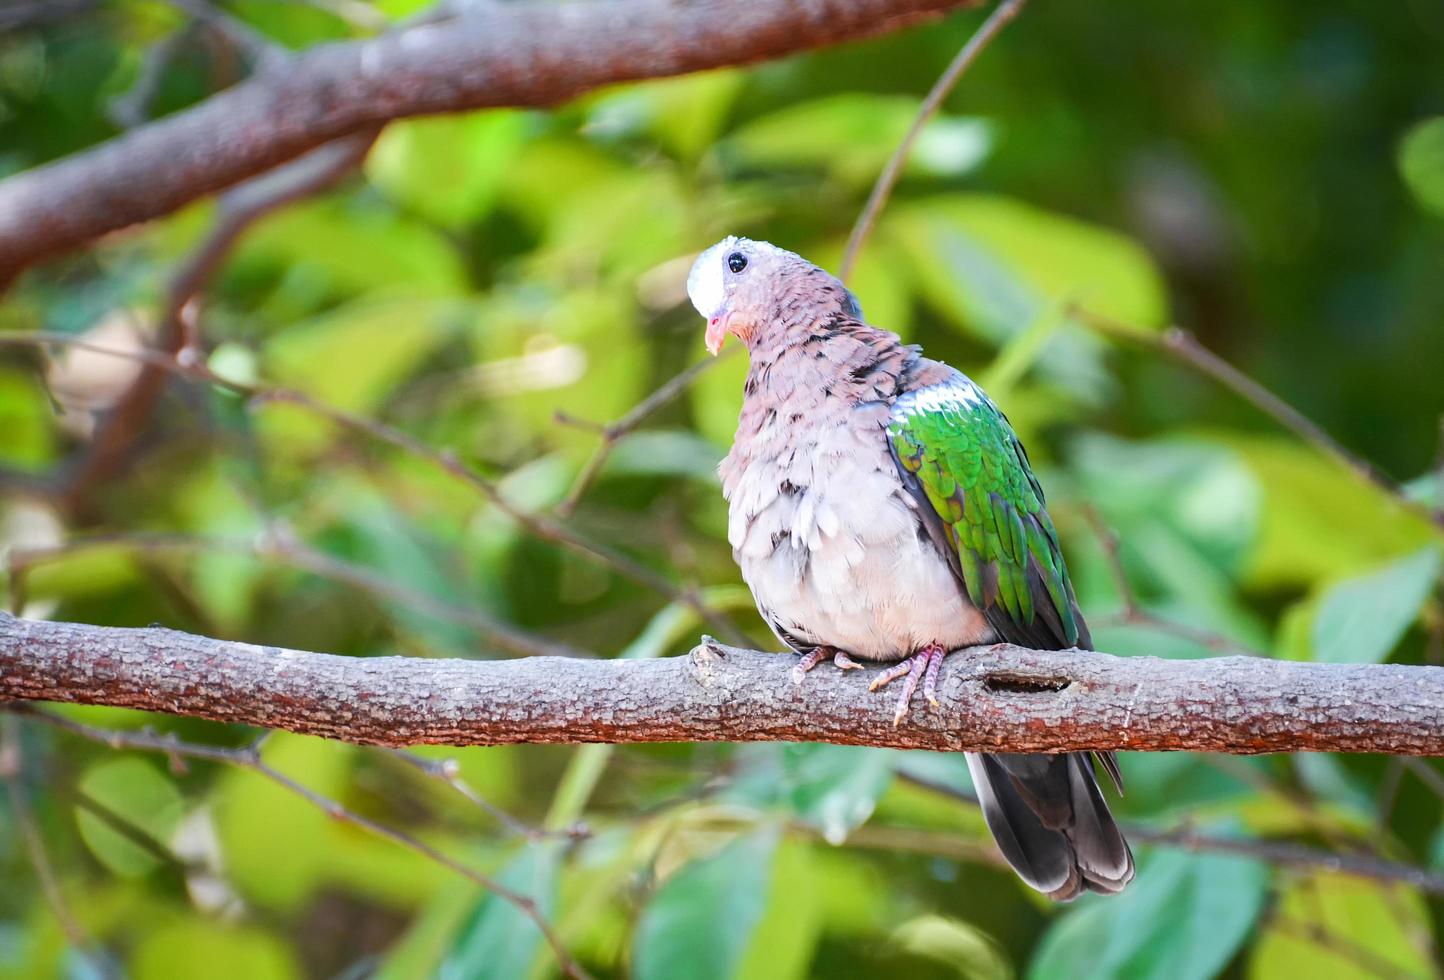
<point x="716" y="333"/>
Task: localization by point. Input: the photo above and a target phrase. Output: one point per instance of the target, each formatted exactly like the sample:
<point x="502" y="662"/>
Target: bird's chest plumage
<point x="828" y="538"/>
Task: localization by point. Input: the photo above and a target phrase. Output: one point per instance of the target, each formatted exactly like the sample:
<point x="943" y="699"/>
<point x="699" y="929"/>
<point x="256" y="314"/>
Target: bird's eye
<point x="736" y="261"/>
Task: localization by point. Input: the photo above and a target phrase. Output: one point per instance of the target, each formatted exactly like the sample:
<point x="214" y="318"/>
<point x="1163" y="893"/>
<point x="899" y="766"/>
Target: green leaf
<point x="993" y="266"/>
<point x="448" y="168"/>
<point x="1038" y="255"/>
<point x="1421" y="162"/>
<point x="327" y="252"/>
<point x="137" y="792"/>
<point x="353" y="357"/>
<point x="1179" y="785"/>
<point x="276" y="869"/>
<point x="852" y="136"/>
<point x="1362" y="619"/>
<point x="665" y="452"/>
<point x="194" y="947"/>
<point x="1327" y="778"/>
<point x="378" y="537"/>
<point x="497" y="940"/>
<point x="1183" y="918"/>
<point x="682" y="114"/>
<point x="1380" y="921"/>
<point x="208" y="502"/>
<point x="1319" y="520"/>
<point x="25" y="418"/>
<point x="699" y="923"/>
<point x="835" y="787"/>
<point x="785" y="940"/>
<point x="964" y="947"/>
<point x="1188" y="515"/>
<point x="540" y="351"/>
<point x="716" y="396"/>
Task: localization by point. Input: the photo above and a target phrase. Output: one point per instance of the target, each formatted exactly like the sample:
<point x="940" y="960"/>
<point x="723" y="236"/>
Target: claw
<point x="809" y="660"/>
<point x="897" y="670"/>
<point x="930" y="679"/>
<point x="922" y="666"/>
<point x="817" y="655"/>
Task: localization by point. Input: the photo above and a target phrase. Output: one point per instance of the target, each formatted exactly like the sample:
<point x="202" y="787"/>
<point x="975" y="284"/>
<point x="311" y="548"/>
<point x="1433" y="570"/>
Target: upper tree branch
<point x="993" y="698"/>
<point x="505" y="54"/>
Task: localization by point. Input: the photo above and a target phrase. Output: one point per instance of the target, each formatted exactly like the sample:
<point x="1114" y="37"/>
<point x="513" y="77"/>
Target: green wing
<point x="964" y="463"/>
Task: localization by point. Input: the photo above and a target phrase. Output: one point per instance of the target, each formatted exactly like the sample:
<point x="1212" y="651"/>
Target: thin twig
<point x="538" y="525"/>
<point x="131" y="108"/>
<point x="448" y="771"/>
<point x="179" y="340"/>
<point x="1172" y="627"/>
<point x="1428" y="775"/>
<point x="133" y="833"/>
<point x="1277" y="853"/>
<point x="265" y="53"/>
<point x="614" y="432"/>
<point x="877" y="200"/>
<point x="249" y="757"/>
<point x="1184" y="347"/>
<point x="1134" y="613"/>
<point x="280" y="546"/>
<point x="1388" y="794"/>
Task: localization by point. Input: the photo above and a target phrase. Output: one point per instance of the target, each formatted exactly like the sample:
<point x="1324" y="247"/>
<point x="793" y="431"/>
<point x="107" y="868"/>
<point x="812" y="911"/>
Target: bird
<point x="882" y="509"/>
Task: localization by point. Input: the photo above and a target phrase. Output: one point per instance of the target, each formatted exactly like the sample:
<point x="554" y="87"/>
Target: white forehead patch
<point x="704" y="283"/>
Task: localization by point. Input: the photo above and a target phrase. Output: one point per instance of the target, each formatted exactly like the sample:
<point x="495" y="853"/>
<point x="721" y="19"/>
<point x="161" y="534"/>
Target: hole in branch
<point x="1019" y="684"/>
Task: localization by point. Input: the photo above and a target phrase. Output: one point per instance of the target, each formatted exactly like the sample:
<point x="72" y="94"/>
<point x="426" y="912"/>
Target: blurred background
<point x="501" y="283"/>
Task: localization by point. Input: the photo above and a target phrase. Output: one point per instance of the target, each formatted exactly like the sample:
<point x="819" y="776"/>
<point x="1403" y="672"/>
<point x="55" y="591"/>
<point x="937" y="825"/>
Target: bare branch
<point x="995" y="698"/>
<point x="505" y="54"/>
<point x="1001" y="16"/>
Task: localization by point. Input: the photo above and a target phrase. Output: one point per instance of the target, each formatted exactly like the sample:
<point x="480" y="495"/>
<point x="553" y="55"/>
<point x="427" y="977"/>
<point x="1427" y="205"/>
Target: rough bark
<point x="503" y="54"/>
<point x="991" y="698"/>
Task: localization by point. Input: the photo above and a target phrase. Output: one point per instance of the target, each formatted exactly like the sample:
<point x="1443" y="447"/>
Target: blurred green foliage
<point x="1271" y="177"/>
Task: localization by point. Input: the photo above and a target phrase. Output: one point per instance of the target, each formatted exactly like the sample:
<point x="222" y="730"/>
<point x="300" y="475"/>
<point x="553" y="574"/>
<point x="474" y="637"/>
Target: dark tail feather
<point x="1051" y="823"/>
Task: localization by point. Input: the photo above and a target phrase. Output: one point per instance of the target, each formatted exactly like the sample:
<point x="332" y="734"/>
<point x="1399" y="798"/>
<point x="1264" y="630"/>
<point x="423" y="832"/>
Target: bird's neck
<point x="832" y="356"/>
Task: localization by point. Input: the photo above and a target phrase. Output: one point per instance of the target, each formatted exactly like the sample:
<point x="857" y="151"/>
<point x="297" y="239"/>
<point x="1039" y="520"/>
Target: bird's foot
<point x="816" y="656"/>
<point x="922" y="666"/>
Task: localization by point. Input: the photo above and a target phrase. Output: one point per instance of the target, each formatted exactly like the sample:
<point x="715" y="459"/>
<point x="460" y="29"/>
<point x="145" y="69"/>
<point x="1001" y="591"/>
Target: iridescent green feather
<point x="972" y="469"/>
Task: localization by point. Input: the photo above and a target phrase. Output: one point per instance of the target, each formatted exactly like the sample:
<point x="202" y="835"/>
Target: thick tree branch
<point x="991" y="698"/>
<point x="505" y="54"/>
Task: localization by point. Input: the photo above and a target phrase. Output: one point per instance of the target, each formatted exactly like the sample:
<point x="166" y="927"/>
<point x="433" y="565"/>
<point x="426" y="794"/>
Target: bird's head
<point x="741" y="285"/>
